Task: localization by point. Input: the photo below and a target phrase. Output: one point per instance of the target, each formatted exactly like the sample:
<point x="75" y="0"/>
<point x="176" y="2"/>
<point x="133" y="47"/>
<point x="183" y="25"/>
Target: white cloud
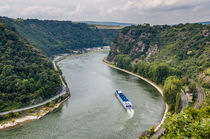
<point x="135" y="11"/>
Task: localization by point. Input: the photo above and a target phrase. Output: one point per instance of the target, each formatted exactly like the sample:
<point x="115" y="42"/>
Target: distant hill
<point x="106" y="23"/>
<point x="56" y="37"/>
<point x="204" y="23"/>
<point x="26" y="75"/>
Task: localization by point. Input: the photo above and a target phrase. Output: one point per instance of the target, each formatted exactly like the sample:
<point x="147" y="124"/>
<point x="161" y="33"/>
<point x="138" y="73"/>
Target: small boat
<point x="123" y="100"/>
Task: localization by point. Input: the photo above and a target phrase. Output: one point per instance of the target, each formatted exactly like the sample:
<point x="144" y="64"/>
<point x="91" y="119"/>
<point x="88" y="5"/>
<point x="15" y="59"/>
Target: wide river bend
<point x="93" y="112"/>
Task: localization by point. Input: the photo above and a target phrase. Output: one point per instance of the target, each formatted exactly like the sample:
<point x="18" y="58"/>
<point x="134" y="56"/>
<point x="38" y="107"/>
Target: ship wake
<point x="131" y="113"/>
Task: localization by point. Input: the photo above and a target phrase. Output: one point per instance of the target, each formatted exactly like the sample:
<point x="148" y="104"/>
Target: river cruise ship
<point x="123" y="100"/>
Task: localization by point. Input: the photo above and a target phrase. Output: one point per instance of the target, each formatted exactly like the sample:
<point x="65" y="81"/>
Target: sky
<point x="126" y="11"/>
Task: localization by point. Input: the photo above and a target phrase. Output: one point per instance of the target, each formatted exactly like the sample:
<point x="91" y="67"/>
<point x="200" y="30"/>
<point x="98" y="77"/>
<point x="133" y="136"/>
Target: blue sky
<point x="130" y="11"/>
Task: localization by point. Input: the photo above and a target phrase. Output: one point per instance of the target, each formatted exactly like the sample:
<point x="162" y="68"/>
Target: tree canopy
<point x="172" y="86"/>
<point x="57" y="37"/>
<point x="26" y="75"/>
<point x="185" y="47"/>
<point x="191" y="123"/>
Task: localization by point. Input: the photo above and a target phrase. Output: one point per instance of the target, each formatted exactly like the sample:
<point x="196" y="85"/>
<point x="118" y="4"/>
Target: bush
<point x="38" y="114"/>
<point x="10" y="115"/>
<point x="2" y="118"/>
<point x="191" y="123"/>
<point x="52" y="104"/>
<point x="206" y="85"/>
<point x="151" y="130"/>
<point x="13" y="120"/>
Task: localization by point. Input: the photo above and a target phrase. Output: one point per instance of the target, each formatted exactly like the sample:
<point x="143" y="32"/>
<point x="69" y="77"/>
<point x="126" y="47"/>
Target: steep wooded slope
<point x="56" y="37"/>
<point x="184" y="46"/>
<point x="26" y="75"/>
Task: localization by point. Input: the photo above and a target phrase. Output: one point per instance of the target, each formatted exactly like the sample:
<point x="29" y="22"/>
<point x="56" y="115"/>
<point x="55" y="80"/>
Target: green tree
<point x="171" y="87"/>
<point x="192" y="88"/>
<point x="123" y="61"/>
<point x="160" y="72"/>
<point x="143" y="69"/>
<point x="190" y="123"/>
<point x="178" y="106"/>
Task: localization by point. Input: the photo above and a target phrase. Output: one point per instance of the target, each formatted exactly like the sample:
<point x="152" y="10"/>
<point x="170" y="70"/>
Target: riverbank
<point x="31" y="116"/>
<point x="148" y="81"/>
<point x="40" y="109"/>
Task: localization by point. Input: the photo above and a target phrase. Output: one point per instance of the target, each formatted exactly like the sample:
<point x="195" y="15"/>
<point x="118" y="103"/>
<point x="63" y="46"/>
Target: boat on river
<point x="123" y="100"/>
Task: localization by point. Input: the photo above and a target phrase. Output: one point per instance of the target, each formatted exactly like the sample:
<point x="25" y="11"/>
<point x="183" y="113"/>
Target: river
<point x="93" y="111"/>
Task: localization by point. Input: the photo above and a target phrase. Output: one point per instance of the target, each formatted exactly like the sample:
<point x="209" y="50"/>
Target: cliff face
<point x="184" y="46"/>
<point x="132" y="42"/>
<point x="163" y="43"/>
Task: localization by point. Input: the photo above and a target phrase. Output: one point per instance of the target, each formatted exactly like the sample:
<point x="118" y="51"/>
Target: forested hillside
<point x="184" y="46"/>
<point x="174" y="57"/>
<point x="106" y="23"/>
<point x="56" y="37"/>
<point x="26" y="75"/>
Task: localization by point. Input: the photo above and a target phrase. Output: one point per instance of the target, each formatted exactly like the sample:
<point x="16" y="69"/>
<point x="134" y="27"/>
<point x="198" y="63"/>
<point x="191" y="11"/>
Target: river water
<point x="93" y="111"/>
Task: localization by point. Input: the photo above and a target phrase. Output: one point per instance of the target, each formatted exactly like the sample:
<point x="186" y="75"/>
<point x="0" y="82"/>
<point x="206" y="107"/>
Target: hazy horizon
<point x="123" y="11"/>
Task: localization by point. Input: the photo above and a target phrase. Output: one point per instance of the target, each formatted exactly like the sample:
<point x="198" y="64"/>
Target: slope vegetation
<point x="175" y="57"/>
<point x="184" y="46"/>
<point x="26" y="76"/>
<point x="55" y="37"/>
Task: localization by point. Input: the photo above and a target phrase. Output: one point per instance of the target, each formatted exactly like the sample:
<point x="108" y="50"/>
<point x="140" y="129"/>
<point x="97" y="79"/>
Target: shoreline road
<point x="64" y="89"/>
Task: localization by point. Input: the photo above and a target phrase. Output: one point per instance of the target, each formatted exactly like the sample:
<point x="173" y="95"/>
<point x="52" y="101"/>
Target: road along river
<point x="93" y="111"/>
